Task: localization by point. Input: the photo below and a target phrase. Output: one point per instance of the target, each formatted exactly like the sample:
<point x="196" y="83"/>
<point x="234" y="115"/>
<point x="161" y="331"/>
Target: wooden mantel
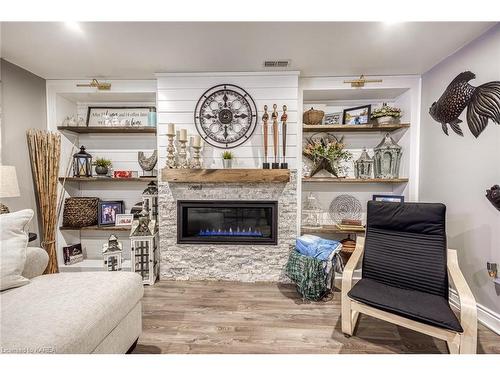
<point x="225" y="175"/>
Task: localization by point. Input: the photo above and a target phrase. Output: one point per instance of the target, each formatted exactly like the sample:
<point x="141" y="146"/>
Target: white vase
<point x="227" y="163"/>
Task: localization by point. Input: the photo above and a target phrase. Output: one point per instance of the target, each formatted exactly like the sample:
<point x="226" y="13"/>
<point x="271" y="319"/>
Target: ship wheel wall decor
<point x="225" y="116"/>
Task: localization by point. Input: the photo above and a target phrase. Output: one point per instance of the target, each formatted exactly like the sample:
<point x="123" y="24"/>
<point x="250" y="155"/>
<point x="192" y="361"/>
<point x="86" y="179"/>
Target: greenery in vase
<point x="227" y="155"/>
<point x="327" y="153"/>
<point x="101" y="162"/>
<point x="386" y="111"/>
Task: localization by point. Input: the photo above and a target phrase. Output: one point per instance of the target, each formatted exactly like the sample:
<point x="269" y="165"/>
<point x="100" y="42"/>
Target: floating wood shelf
<point x="108" y="129"/>
<point x="328" y="230"/>
<point x="107" y="179"/>
<point x="354" y="128"/>
<point x="102" y="228"/>
<point x="335" y="180"/>
<point x="225" y="175"/>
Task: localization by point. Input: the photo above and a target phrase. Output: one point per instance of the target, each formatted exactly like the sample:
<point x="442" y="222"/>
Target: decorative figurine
<point x="482" y="102"/>
<point x="274" y="116"/>
<point x="493" y="195"/>
<point x="265" y="118"/>
<point x="387" y="158"/>
<point x="147" y="164"/>
<point x="82" y="163"/>
<point x="363" y="166"/>
<point x="112" y="254"/>
<point x="284" y="117"/>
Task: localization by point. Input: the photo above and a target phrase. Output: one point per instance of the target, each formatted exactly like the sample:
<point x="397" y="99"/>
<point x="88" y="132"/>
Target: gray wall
<point x="457" y="170"/>
<point x="23" y="107"/>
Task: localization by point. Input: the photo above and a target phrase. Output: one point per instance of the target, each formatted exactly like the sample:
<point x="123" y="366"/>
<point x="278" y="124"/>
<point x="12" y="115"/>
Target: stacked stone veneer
<point x="226" y="262"/>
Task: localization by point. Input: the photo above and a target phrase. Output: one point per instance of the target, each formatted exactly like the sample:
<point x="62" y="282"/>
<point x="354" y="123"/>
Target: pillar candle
<point x="171" y="129"/>
<point x="183" y="135"/>
<point x="197" y="141"/>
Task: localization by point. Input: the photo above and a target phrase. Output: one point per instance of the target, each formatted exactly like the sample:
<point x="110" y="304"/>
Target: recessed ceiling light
<point x="74" y="26"/>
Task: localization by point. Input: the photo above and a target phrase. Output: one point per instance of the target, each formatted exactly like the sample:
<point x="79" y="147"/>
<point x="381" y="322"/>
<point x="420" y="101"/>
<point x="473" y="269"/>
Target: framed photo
<point x="108" y="211"/>
<point x="124" y="220"/>
<point x="357" y="115"/>
<point x="389" y="198"/>
<point x="118" y="116"/>
<point x="333" y="118"/>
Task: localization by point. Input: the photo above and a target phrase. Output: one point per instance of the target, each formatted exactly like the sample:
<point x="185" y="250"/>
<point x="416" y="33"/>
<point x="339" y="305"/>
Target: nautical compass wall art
<point x="225" y="116"/>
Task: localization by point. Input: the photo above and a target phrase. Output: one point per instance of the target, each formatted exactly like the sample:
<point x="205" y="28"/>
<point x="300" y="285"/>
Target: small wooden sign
<point x="118" y="116"/>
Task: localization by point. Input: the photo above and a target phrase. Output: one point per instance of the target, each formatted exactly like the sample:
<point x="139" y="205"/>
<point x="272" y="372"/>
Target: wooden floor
<point x="230" y="317"/>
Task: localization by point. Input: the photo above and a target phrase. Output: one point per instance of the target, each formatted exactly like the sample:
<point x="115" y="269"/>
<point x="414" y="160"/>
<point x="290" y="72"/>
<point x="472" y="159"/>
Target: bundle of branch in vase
<point x="45" y="151"/>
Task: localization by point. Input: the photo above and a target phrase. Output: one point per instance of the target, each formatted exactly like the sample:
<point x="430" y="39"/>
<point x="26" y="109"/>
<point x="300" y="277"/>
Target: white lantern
<point x="112" y="254"/>
<point x="144" y="254"/>
<point x="150" y="200"/>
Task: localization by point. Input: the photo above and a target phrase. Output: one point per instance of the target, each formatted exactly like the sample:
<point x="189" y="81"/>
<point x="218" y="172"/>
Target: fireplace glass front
<point x="240" y="222"/>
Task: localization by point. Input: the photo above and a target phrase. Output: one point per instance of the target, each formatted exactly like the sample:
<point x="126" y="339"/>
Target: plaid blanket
<point x="308" y="274"/>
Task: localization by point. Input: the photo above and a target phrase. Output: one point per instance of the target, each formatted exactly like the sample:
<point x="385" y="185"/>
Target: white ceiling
<point x="52" y="50"/>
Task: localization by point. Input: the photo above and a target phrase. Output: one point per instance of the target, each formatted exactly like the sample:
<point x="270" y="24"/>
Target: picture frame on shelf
<point x="108" y="210"/>
<point x="124" y="220"/>
<point x="357" y="115"/>
<point x="333" y="118"/>
<point x="119" y="116"/>
<point x="388" y="198"/>
<point x="125" y="174"/>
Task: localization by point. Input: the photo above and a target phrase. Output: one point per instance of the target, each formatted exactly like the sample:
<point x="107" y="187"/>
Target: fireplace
<point x="225" y="222"/>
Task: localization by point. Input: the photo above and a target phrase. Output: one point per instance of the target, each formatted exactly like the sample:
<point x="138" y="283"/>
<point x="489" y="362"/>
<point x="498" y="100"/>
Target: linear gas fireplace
<point x="238" y="222"/>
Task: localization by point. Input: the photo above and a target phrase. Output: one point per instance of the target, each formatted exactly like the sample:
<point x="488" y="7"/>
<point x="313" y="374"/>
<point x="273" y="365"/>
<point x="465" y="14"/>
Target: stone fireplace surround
<point x="235" y="262"/>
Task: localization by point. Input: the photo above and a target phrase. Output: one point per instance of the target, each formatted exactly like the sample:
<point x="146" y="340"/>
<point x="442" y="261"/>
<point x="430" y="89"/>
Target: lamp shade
<point x="8" y="182"/>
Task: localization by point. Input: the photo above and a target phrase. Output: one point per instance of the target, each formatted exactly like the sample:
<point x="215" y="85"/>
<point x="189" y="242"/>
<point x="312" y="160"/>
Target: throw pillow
<point x="13" y="243"/>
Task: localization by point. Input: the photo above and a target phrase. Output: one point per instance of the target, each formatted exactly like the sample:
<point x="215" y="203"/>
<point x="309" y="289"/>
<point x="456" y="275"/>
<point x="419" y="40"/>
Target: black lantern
<point x="82" y="163"/>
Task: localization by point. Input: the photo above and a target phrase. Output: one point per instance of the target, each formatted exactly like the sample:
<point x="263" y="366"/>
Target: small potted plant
<point x="386" y="115"/>
<point x="227" y="159"/>
<point x="102" y="166"/>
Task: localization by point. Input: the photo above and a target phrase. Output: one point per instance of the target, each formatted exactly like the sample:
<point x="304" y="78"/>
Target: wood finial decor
<point x="265" y="119"/>
<point x="275" y="164"/>
<point x="284" y="118"/>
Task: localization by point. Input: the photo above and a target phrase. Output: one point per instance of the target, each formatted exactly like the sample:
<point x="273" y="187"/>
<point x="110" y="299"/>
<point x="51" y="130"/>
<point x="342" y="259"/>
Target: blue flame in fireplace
<point x="230" y="233"/>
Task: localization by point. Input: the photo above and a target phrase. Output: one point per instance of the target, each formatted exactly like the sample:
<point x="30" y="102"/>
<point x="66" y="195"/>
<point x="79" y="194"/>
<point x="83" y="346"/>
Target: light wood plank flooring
<point x="230" y="317"/>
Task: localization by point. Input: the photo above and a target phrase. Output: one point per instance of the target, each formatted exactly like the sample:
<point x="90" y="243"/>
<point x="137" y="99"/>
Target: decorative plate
<point x="225" y="116"/>
<point x="345" y="206"/>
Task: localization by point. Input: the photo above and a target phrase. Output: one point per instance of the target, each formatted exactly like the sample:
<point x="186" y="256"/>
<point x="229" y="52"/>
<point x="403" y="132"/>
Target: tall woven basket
<point x="80" y="212"/>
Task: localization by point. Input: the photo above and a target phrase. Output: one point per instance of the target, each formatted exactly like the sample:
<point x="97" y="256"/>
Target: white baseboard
<point x="485" y="316"/>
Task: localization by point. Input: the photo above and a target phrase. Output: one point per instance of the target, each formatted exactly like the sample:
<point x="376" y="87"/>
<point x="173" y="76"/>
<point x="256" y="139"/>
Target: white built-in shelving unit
<point x="120" y="145"/>
<point x="332" y="95"/>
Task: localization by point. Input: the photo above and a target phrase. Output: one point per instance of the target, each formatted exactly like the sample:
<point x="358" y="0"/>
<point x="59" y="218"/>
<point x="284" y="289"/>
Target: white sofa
<point x="87" y="312"/>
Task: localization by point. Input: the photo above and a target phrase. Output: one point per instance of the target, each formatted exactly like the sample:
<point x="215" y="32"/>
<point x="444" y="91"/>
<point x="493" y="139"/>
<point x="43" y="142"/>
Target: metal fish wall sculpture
<point x="482" y="102"/>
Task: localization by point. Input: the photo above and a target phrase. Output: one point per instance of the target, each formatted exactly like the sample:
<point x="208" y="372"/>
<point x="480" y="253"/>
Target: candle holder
<point x="196" y="161"/>
<point x="182" y="162"/>
<point x="171" y="162"/>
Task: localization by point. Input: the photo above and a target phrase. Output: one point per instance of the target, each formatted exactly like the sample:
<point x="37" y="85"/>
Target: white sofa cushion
<point x="66" y="312"/>
<point x="13" y="243"/>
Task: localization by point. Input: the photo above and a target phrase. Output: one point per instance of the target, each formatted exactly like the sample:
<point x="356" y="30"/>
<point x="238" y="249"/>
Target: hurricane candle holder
<point x="196" y="162"/>
<point x="183" y="162"/>
<point x="171" y="163"/>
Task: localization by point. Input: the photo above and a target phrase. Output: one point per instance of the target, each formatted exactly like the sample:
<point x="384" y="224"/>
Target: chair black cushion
<point x="422" y="307"/>
<point x="405" y="246"/>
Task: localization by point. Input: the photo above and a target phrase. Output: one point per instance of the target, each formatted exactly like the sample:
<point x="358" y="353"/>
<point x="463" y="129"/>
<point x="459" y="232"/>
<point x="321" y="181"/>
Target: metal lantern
<point x="387" y="158"/>
<point x="82" y="163"/>
<point x="112" y="254"/>
<point x="150" y="200"/>
<point x="363" y="166"/>
<point x="144" y="248"/>
<point x="311" y="213"/>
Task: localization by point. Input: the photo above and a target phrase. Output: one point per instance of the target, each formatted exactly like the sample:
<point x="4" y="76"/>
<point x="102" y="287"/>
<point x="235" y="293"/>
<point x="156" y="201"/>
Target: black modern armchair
<point x="405" y="272"/>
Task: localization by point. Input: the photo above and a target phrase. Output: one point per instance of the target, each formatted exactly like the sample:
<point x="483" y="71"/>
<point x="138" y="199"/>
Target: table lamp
<point x="8" y="185"/>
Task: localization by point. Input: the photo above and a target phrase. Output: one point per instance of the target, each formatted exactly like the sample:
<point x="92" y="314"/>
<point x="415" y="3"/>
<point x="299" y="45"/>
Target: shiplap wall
<point x="178" y="94"/>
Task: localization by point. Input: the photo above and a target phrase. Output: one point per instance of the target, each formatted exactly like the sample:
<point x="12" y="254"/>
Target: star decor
<point x="225" y="116"/>
<point x="326" y="153"/>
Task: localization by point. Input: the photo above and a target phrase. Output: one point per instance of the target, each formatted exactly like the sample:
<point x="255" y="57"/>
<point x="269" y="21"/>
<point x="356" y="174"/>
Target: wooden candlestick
<point x="265" y="118"/>
<point x="284" y="118"/>
<point x="274" y="116"/>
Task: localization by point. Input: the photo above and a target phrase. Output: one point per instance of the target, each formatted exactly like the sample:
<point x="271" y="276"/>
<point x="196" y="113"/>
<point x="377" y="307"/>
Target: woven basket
<point x="313" y="117"/>
<point x="80" y="212"/>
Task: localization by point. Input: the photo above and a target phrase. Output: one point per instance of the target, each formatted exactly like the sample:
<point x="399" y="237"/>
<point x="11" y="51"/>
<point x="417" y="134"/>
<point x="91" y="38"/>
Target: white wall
<point x="178" y="94"/>
<point x="457" y="170"/>
<point x="23" y="107"/>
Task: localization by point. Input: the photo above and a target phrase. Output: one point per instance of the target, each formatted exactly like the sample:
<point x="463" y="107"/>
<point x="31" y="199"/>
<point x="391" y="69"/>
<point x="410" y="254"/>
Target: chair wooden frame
<point x="458" y="343"/>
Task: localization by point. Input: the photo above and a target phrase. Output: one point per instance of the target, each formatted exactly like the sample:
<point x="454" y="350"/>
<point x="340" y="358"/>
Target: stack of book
<point x="350" y="225"/>
<point x="73" y="254"/>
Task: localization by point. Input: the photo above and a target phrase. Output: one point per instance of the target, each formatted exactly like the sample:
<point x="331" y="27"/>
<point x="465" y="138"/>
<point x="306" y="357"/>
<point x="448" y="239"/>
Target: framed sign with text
<point x="118" y="116"/>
